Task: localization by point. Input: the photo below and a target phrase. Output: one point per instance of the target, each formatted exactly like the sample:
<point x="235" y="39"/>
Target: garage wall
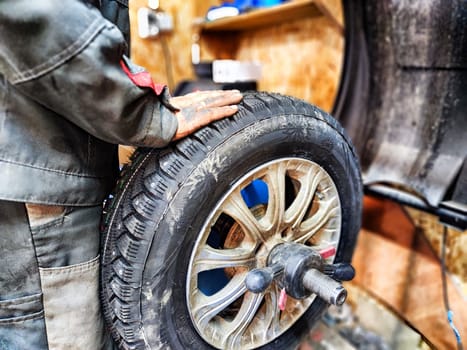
<point x="301" y="58"/>
<point x="150" y="52"/>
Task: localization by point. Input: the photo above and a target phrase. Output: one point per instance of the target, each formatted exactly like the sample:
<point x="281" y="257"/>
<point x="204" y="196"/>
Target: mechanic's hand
<point x="198" y="109"/>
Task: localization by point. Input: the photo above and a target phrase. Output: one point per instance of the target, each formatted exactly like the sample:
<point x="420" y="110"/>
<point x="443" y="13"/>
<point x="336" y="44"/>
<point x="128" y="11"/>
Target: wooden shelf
<point x="289" y="11"/>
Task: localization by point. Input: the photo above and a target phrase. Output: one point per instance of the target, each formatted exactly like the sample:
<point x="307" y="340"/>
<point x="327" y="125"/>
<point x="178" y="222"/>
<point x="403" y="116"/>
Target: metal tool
<point x="302" y="271"/>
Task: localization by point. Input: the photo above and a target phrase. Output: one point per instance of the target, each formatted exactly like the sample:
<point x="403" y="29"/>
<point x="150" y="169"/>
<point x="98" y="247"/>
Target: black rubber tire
<point x="164" y="197"/>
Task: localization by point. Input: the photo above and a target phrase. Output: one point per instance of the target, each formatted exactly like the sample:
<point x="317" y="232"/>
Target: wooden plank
<point x="333" y="14"/>
<point x="287" y="12"/>
<point x="410" y="284"/>
<point x="124" y="154"/>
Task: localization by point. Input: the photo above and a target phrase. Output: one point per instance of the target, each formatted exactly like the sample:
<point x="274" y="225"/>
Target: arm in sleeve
<point x="65" y="56"/>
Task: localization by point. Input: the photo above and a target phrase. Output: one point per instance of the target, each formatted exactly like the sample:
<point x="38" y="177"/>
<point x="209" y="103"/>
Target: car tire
<point x="180" y="216"/>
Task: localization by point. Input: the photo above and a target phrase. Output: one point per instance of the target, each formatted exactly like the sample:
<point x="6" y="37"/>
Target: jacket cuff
<point x="162" y="127"/>
<point x="165" y="124"/>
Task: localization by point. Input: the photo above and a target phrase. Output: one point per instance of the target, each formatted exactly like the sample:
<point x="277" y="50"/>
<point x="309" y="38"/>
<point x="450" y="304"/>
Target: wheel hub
<point x="298" y="269"/>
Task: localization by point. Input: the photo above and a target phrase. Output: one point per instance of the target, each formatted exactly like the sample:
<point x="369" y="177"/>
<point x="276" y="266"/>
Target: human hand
<point x="198" y="109"/>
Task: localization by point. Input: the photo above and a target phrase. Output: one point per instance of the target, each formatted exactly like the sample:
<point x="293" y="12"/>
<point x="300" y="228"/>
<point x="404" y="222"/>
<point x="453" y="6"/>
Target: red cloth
<point x="141" y="77"/>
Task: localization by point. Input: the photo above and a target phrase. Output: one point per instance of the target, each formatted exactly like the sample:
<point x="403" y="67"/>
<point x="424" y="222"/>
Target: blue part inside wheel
<point x="210" y="282"/>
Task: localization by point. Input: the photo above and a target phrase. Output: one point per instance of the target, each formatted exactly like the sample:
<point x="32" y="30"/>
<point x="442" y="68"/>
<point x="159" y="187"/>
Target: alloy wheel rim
<point x="292" y="200"/>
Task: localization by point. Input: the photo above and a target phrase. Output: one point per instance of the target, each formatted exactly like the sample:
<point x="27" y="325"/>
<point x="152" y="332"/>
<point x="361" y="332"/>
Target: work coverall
<point x="65" y="103"/>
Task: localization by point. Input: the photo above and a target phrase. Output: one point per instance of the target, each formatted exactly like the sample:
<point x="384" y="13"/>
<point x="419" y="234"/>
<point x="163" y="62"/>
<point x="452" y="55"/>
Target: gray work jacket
<point x="65" y="102"/>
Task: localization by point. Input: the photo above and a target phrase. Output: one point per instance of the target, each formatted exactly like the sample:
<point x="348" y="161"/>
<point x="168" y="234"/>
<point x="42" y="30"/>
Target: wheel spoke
<point x="309" y="227"/>
<point x="232" y="337"/>
<point x="275" y="178"/>
<point x="206" y="307"/>
<point x="298" y="209"/>
<point x="272" y="313"/>
<point x="210" y="258"/>
<point x="236" y="207"/>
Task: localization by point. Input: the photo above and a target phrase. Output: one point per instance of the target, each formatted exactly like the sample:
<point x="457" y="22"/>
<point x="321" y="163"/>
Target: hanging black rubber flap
<point x="403" y="98"/>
